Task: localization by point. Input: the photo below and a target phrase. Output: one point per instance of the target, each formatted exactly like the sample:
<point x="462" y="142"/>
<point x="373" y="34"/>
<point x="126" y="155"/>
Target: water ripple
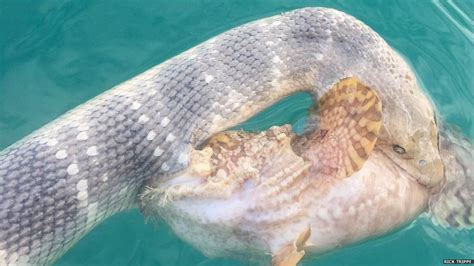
<point x="457" y="16"/>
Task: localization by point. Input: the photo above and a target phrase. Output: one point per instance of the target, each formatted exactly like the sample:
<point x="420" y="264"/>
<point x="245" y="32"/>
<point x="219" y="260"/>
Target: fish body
<point x="267" y="211"/>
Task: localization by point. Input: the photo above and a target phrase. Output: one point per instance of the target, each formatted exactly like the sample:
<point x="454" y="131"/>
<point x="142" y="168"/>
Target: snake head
<point x="410" y="138"/>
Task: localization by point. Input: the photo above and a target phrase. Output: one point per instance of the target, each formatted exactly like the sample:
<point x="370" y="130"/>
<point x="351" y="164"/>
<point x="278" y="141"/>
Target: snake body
<point x="65" y="178"/>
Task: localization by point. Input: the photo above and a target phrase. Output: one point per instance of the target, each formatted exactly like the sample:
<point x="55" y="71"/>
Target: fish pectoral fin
<point x="350" y="118"/>
<point x="290" y="255"/>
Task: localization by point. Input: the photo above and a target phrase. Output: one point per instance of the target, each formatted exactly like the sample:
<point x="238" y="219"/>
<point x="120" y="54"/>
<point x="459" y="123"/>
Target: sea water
<point x="56" y="54"/>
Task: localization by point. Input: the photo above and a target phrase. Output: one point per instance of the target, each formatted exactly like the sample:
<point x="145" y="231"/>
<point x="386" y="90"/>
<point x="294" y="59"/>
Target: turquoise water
<point x="55" y="55"/>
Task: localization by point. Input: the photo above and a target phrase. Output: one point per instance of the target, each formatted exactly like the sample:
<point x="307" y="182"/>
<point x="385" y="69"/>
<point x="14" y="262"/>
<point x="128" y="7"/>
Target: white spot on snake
<point x="61" y="154"/>
<point x="269" y="43"/>
<point x="82" y="185"/>
<point x="170" y="137"/>
<point x="319" y="56"/>
<point x="123" y="191"/>
<point x="105" y="177"/>
<point x="82" y="195"/>
<point x="136" y="105"/>
<point x="276" y="59"/>
<point x="158" y="152"/>
<point x="83" y="127"/>
<point x="74" y="124"/>
<point x="126" y="93"/>
<point x="165" y="122"/>
<point x="91" y="214"/>
<point x="92" y="151"/>
<point x="208" y="78"/>
<point x="192" y="54"/>
<point x="143" y="119"/>
<point x="152" y="92"/>
<point x="183" y="158"/>
<point x="151" y="135"/>
<point x="212" y="40"/>
<point x="52" y="142"/>
<point x="165" y="167"/>
<point x="72" y="169"/>
<point x="276" y="23"/>
<point x="82" y="136"/>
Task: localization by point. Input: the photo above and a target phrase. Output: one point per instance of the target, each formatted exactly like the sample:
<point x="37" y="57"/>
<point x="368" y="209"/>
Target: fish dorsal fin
<point x="350" y="118"/>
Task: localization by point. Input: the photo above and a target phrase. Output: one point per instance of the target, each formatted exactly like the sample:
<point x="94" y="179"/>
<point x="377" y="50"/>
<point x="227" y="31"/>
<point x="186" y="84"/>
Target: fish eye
<point x="399" y="149"/>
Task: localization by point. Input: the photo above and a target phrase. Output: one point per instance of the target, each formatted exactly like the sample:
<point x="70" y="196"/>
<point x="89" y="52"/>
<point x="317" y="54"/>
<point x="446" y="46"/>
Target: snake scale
<point x="65" y="178"/>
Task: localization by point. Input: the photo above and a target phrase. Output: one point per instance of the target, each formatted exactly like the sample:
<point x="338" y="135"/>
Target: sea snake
<point x="65" y="178"/>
